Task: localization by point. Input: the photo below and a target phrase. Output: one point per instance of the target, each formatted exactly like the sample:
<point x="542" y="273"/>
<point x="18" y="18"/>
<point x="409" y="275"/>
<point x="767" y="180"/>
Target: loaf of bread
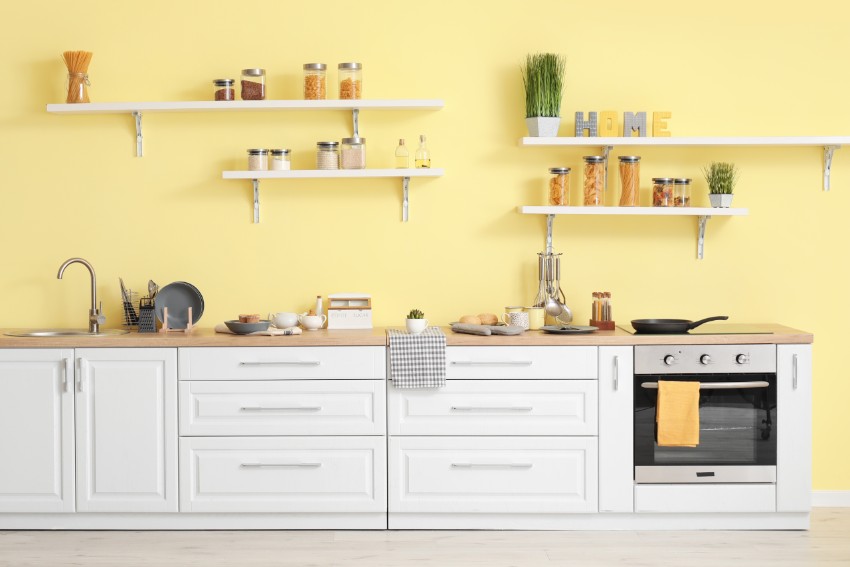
<point x="470" y="320"/>
<point x="488" y="318"/>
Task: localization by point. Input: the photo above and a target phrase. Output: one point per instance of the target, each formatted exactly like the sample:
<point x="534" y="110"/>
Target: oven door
<point x="737" y="428"/>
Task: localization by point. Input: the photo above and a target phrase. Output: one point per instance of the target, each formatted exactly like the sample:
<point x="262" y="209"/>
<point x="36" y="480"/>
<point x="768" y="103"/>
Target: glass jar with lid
<point x="327" y="155"/>
<point x="315" y="81"/>
<point x="681" y="192"/>
<point x="559" y="186"/>
<point x="353" y="153"/>
<point x="279" y="159"/>
<point x="258" y="159"/>
<point x="629" y="180"/>
<point x="224" y="89"/>
<point x="662" y="191"/>
<point x="253" y="84"/>
<point x="594" y="180"/>
<point x="350" y="80"/>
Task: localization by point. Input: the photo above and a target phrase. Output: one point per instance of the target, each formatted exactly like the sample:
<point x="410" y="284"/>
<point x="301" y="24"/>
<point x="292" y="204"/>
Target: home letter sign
<point x="634" y="121"/>
<point x="582" y="124"/>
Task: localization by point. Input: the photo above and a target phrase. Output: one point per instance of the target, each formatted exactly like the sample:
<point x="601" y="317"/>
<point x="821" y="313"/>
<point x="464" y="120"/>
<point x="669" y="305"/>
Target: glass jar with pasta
<point x="559" y="186"/>
<point x="681" y="192"/>
<point x="594" y="181"/>
<point x="662" y="191"/>
<point x="315" y="81"/>
<point x="629" y="180"/>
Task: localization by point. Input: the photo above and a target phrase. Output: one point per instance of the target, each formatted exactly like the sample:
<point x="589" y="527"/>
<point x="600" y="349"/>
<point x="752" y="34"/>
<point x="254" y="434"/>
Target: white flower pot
<point x="722" y="201"/>
<point x="416" y="326"/>
<point x="543" y="126"/>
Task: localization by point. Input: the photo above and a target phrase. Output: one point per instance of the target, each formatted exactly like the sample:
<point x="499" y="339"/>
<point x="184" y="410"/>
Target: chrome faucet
<point x="96" y="317"/>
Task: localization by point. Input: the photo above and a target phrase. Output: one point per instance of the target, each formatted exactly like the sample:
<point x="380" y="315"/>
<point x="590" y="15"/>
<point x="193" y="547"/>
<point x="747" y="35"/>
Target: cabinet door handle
<point x="280" y="465"/>
<point x="84" y="368"/>
<point x="492" y="465"/>
<point x="794" y="371"/>
<point x="281" y="408"/>
<point x="492" y="408"/>
<point x="67" y="373"/>
<point x="616" y="373"/>
<point x="491" y="363"/>
<point x="283" y="363"/>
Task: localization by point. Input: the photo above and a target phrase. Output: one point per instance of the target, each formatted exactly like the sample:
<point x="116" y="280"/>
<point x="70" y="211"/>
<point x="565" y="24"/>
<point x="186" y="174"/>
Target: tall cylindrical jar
<point x="629" y="180"/>
<point x="353" y="153"/>
<point x="594" y="180"/>
<point x="327" y="155"/>
<point x="682" y="192"/>
<point x="662" y="191"/>
<point x="224" y="89"/>
<point x="315" y="81"/>
<point x="253" y="84"/>
<point x="559" y="186"/>
<point x="350" y="80"/>
<point x="258" y="159"/>
<point x="279" y="160"/>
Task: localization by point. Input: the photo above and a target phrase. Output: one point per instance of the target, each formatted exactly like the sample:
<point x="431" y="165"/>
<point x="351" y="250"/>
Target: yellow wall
<point x="71" y="185"/>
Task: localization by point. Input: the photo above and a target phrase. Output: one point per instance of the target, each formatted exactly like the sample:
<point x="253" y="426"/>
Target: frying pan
<point x="670" y="326"/>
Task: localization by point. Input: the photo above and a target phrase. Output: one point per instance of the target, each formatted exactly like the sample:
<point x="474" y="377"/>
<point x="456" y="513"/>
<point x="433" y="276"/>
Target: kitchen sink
<point x="67" y="333"/>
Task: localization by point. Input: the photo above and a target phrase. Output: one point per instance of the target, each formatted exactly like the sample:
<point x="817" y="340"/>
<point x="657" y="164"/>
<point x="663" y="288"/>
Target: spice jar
<point x="253" y="84"/>
<point x="662" y="191"/>
<point x="594" y="180"/>
<point x="279" y="160"/>
<point x="327" y="155"/>
<point x="353" y="153"/>
<point x="315" y="82"/>
<point x="681" y="192"/>
<point x="350" y="80"/>
<point x="224" y="89"/>
<point x="629" y="180"/>
<point x="258" y="159"/>
<point x="559" y="186"/>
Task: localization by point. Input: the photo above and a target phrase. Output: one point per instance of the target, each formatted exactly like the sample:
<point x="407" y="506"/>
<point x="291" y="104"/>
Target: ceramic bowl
<point x="245" y="328"/>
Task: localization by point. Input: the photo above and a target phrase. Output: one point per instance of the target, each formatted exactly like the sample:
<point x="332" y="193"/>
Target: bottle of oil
<point x="402" y="156"/>
<point x="423" y="156"/>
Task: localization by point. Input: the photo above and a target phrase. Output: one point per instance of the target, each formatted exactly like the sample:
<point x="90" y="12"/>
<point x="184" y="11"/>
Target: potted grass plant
<point x="543" y="80"/>
<point x="721" y="178"/>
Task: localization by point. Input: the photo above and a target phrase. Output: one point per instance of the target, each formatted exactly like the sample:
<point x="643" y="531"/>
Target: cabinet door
<point x="127" y="430"/>
<point x="36" y="430"/>
<point x="616" y="424"/>
<point x="794" y="427"/>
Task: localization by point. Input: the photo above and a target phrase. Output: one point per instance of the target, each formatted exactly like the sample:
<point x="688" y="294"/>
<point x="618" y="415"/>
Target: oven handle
<point x="716" y="385"/>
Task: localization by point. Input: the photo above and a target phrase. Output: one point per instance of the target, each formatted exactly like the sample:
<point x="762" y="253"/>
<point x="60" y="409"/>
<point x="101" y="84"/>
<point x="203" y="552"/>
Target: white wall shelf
<point x="829" y="144"/>
<point x="403" y="174"/>
<point x="137" y="108"/>
<point x="702" y="214"/>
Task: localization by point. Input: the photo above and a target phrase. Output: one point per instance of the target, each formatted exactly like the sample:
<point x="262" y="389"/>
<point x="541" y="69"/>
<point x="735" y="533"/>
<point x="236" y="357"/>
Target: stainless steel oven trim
<point x="709" y="474"/>
<point x="717" y="385"/>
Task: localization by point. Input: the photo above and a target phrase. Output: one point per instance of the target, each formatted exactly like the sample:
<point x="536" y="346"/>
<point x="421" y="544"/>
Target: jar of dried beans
<point x="327" y="155"/>
<point x="353" y="153"/>
<point x="350" y="80"/>
<point x="253" y="84"/>
<point x="258" y="159"/>
<point x="681" y="192"/>
<point x="559" y="186"/>
<point x="594" y="180"/>
<point x="662" y="191"/>
<point x="315" y="81"/>
<point x="224" y="89"/>
<point x="629" y="180"/>
<point x="279" y="160"/>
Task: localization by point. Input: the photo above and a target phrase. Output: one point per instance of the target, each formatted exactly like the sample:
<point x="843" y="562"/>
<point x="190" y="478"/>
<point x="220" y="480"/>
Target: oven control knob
<point x="742" y="359"/>
<point x="705" y="359"/>
<point x="669" y="360"/>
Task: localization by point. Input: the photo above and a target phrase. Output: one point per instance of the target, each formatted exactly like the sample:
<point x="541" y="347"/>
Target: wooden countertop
<point x="727" y="334"/>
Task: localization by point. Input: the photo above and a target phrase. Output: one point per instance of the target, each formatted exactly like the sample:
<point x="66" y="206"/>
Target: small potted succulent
<point x="543" y="80"/>
<point x="416" y="322"/>
<point x="721" y="178"/>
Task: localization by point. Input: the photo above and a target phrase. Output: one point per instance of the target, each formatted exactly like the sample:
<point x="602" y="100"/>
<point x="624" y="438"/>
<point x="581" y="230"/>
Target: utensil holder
<point x="131" y="315"/>
<point x="147" y="316"/>
<point x="602" y="325"/>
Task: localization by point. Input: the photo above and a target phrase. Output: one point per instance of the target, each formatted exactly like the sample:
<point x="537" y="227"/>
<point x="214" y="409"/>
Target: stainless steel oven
<point x="737" y="414"/>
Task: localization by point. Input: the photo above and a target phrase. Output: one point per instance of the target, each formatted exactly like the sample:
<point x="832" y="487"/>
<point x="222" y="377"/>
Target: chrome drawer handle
<point x="280" y="465"/>
<point x="717" y="385"/>
<point x="491" y="363"/>
<point x="281" y="408"/>
<point x="492" y="408"/>
<point x="492" y="465"/>
<point x="616" y="373"/>
<point x="283" y="363"/>
<point x="794" y="372"/>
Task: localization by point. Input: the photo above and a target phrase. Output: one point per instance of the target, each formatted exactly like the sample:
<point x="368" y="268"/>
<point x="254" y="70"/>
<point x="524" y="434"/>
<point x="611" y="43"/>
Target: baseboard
<point x="831" y="498"/>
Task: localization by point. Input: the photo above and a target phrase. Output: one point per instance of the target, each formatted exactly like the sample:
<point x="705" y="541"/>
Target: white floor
<point x="827" y="543"/>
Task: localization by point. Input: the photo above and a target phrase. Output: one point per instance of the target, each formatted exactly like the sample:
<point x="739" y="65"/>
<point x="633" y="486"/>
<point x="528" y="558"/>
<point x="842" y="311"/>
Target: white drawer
<point x="693" y="498"/>
<point x="493" y="474"/>
<point x="273" y="474"/>
<point x="282" y="363"/>
<point x="283" y="407"/>
<point x="496" y="407"/>
<point x="518" y="362"/>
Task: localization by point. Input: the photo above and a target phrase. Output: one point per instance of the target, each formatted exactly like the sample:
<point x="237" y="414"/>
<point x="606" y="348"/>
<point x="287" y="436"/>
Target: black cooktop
<point x="712" y="329"/>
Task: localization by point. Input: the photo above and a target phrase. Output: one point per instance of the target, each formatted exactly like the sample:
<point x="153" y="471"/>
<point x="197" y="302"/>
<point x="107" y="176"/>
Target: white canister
<point x="279" y="160"/>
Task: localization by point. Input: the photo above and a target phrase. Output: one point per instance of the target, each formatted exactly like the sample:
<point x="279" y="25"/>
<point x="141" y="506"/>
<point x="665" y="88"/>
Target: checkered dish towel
<point x="418" y="361"/>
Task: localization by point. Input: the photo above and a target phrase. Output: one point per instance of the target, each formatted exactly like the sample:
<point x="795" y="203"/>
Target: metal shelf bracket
<point x="606" y="151"/>
<point x="550" y="221"/>
<point x="355" y="118"/>
<point x="405" y="196"/>
<point x="703" y="220"/>
<point x="256" y="183"/>
<point x="138" y="116"/>
<point x="827" y="164"/>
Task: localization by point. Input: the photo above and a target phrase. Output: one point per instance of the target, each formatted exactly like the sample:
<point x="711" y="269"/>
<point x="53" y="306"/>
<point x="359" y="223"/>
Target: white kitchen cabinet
<point x="616" y="426"/>
<point x="794" y="428"/>
<point x="36" y="430"/>
<point x="126" y="429"/>
<point x="520" y="362"/>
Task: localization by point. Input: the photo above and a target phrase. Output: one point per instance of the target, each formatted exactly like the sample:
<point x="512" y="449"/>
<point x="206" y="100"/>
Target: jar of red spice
<point x="224" y="89"/>
<point x="253" y="84"/>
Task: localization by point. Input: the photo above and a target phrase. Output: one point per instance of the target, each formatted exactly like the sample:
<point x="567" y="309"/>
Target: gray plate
<point x="178" y="297"/>
<point x="568" y="329"/>
<point x="245" y="328"/>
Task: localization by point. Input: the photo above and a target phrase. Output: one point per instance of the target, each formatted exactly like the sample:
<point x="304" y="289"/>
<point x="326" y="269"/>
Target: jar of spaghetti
<point x="559" y="186"/>
<point x="629" y="180"/>
<point x="224" y="89"/>
<point x="258" y="159"/>
<point x="681" y="192"/>
<point x="315" y="81"/>
<point x="662" y="191"/>
<point x="350" y="80"/>
<point x="253" y="84"/>
<point x="594" y="180"/>
<point x="327" y="155"/>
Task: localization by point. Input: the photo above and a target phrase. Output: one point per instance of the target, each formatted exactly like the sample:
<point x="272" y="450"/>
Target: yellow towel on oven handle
<point x="677" y="414"/>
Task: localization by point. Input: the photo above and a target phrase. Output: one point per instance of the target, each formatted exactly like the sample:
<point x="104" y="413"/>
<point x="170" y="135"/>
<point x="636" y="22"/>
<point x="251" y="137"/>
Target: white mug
<point x="517" y="319"/>
<point x="312" y="322"/>
<point x="283" y="320"/>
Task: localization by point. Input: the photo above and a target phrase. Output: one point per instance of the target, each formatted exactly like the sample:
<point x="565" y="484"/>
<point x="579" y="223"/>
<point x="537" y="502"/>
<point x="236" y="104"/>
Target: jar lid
<point x="594" y="159"/>
<point x="354" y="141"/>
<point x="279" y="152"/>
<point x="223" y="82"/>
<point x="257" y="152"/>
<point x="353" y="66"/>
<point x="662" y="180"/>
<point x="682" y="181"/>
<point x="327" y="145"/>
<point x="254" y="72"/>
<point x="629" y="159"/>
<point x="315" y="66"/>
<point x="559" y="170"/>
